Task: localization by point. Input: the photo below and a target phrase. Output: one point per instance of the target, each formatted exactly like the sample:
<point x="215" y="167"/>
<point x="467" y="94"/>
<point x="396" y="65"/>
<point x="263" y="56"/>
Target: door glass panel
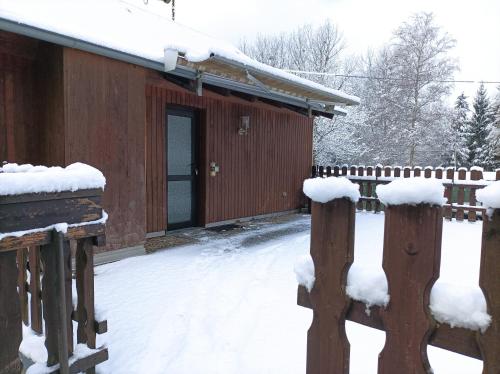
<point x="180" y="152"/>
<point x="179" y="201"/>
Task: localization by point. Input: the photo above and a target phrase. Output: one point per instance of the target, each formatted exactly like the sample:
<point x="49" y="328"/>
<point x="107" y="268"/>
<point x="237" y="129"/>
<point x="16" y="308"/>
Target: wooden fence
<point x="460" y="186"/>
<point x="411" y="261"/>
<point x="36" y="279"/>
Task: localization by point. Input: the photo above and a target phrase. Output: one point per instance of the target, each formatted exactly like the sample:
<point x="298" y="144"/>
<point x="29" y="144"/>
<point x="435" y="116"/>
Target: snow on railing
<point x="403" y="305"/>
<point x="460" y="185"/>
<point x="41" y="210"/>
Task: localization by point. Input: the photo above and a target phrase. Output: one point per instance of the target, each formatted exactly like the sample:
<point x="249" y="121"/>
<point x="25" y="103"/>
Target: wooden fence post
<point x="397" y="171"/>
<point x="406" y="172"/>
<point x="22" y="260"/>
<point x="336" y="171"/>
<point x="321" y="171"/>
<point x="361" y="173"/>
<point x="10" y="314"/>
<point x="352" y="170"/>
<point x="369" y="189"/>
<point x="328" y="171"/>
<point x="417" y="170"/>
<point x="412" y="254"/>
<point x="475" y="175"/>
<point x="332" y="250"/>
<point x="489" y="281"/>
<point x="35" y="290"/>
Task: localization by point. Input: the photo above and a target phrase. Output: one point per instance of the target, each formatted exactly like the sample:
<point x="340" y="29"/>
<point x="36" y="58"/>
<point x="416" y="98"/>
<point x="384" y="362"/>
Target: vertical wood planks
<point x="417" y="171"/>
<point x="459" y="215"/>
<point x="489" y="281"/>
<point x="361" y="173"/>
<point x="22" y="261"/>
<point x="10" y="314"/>
<point x="369" y="189"/>
<point x="475" y="175"/>
<point x="35" y="290"/>
<point x="412" y="253"/>
<point x="332" y="250"/>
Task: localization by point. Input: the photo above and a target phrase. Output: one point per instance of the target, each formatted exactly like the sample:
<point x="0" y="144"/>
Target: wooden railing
<point x="460" y="185"/>
<point x="411" y="261"/>
<point x="36" y="280"/>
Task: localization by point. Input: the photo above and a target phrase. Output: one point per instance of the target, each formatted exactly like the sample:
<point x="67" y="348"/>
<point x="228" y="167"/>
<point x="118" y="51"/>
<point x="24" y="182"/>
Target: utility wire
<point x="383" y="78"/>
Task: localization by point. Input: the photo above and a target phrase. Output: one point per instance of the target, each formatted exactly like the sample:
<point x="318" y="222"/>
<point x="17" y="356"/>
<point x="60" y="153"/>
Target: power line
<point x="384" y="78"/>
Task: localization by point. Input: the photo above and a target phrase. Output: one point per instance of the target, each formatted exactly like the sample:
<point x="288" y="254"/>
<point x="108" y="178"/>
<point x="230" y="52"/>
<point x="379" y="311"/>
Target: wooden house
<point x="187" y="130"/>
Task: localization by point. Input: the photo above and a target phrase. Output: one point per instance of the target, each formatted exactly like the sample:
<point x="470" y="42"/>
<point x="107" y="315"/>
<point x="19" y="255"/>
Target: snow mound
<point x="489" y="196"/>
<point x="412" y="191"/>
<point x="323" y="190"/>
<point x="367" y="284"/>
<point x="459" y="306"/>
<point x="304" y="272"/>
<point x="20" y="179"/>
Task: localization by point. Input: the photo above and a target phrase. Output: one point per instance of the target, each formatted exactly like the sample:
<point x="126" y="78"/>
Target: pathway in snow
<point x="228" y="305"/>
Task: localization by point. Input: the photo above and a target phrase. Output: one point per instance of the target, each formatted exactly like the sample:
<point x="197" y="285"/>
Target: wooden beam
<point x="458" y="340"/>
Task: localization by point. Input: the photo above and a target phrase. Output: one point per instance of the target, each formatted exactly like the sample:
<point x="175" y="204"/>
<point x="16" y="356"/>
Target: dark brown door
<point x="182" y="168"/>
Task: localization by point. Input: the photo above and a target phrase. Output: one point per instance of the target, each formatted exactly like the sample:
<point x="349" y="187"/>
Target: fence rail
<point x="460" y="185"/>
<point x="411" y="261"/>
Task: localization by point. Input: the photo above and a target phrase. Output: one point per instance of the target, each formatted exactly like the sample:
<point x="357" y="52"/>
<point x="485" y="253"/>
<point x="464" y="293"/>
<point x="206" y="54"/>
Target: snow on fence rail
<point x="411" y="262"/>
<point x="41" y="210"/>
<point x="460" y="185"/>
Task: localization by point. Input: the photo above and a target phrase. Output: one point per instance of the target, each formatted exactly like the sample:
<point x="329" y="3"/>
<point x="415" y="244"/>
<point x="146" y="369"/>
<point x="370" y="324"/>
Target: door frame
<point x="192" y="113"/>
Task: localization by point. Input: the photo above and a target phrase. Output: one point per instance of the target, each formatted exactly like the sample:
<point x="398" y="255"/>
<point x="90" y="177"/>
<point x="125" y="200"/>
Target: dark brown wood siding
<point x="105" y="118"/>
<point x="260" y="173"/>
<point x="18" y="130"/>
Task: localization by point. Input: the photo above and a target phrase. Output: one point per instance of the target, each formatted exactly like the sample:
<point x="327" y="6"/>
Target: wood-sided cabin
<point x="187" y="130"/>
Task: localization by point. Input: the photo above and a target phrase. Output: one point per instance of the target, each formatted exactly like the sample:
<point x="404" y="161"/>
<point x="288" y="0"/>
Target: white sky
<point x="365" y="23"/>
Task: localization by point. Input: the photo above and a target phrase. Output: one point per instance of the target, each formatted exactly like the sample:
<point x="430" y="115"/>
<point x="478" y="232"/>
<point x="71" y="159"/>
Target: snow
<point x="323" y="190"/>
<point x="489" y="196"/>
<point x="133" y="27"/>
<point x="368" y="286"/>
<point x="304" y="272"/>
<point x="226" y="306"/>
<point x="20" y="179"/>
<point x="459" y="307"/>
<point x="412" y="191"/>
<point x="60" y="227"/>
<point x="80" y="351"/>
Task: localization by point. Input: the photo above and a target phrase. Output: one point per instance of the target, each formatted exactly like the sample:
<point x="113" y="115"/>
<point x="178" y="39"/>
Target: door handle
<point x="196" y="171"/>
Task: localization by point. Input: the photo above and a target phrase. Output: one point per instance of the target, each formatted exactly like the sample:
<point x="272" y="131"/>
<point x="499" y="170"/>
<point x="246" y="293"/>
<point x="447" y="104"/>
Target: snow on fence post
<point x="369" y="189"/>
<point x="497" y="174"/>
<point x="332" y="251"/>
<point x="475" y="175"/>
<point x="439" y="173"/>
<point x="459" y="215"/>
<point x="489" y="281"/>
<point x="411" y="261"/>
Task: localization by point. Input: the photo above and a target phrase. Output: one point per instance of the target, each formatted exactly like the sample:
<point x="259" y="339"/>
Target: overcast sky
<point x="365" y="23"/>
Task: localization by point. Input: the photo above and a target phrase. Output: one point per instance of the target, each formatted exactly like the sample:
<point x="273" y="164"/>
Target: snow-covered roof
<point x="145" y="31"/>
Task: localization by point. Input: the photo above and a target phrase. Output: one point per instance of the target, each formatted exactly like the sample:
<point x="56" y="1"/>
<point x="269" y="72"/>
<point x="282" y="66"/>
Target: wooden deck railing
<point x="36" y="280"/>
<point x="460" y="186"/>
<point x="411" y="261"/>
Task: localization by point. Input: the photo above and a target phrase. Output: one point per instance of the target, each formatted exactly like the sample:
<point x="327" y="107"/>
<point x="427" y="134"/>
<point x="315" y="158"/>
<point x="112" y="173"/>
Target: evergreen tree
<point x="460" y="132"/>
<point x="480" y="149"/>
<point x="494" y="135"/>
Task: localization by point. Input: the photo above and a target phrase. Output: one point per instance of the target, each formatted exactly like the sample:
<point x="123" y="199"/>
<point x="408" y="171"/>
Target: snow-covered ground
<point x="228" y="304"/>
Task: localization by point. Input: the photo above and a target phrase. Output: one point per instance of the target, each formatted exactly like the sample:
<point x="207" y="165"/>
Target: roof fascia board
<point x="181" y="71"/>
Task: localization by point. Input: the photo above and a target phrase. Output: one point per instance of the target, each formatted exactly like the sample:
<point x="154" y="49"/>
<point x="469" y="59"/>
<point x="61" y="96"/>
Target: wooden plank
<point x="35" y="290"/>
<point x="22" y="261"/>
<point x="10" y="315"/>
<point x="43" y="238"/>
<point x="412" y="254"/>
<point x="332" y="250"/>
<point x="489" y="281"/>
<point x="455" y="339"/>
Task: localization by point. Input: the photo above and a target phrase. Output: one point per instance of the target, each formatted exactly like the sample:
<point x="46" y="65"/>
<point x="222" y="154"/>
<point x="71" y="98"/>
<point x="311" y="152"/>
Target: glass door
<point x="182" y="169"/>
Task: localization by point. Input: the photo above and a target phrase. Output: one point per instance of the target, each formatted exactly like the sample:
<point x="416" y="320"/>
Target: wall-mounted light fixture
<point x="244" y="125"/>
